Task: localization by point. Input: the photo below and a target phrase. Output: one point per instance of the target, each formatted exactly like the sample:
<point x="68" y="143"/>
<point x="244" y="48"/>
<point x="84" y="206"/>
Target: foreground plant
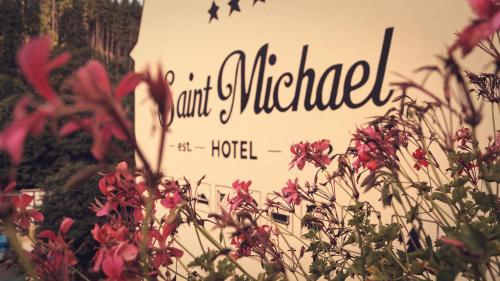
<point x="423" y="159"/>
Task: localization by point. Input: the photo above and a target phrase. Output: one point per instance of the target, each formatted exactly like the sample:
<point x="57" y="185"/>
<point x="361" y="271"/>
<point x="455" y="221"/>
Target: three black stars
<point x="233" y="4"/>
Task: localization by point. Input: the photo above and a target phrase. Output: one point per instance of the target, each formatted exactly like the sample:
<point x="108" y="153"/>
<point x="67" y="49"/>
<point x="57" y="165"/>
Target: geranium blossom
<point x="120" y="190"/>
<point x="35" y="63"/>
<point x="254" y="238"/>
<point x="421" y="161"/>
<point x="12" y="137"/>
<point x="109" y="237"/>
<point x="172" y="195"/>
<point x="164" y="254"/>
<point x="91" y="83"/>
<point x="376" y="147"/>
<point x="24" y="216"/>
<point x="313" y="153"/>
<point x="486" y="24"/>
<point x="53" y="254"/>
<point x="464" y="138"/>
<point x="33" y="58"/>
<point x="290" y="192"/>
<point x="242" y="196"/>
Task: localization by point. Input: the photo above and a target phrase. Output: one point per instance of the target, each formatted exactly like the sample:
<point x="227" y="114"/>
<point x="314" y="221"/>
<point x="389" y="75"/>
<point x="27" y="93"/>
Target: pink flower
<point x="254" y="238"/>
<point x="108" y="236"/>
<point x="66" y="225"/>
<point x="485" y="9"/>
<point x="33" y="58"/>
<point x="120" y="190"/>
<point x="464" y="136"/>
<point x="12" y="138"/>
<point x="122" y="168"/>
<point x="419" y="156"/>
<point x="117" y="249"/>
<point x="290" y="192"/>
<point x="24" y="216"/>
<point x="54" y="257"/>
<point x="318" y="155"/>
<point x="172" y="196"/>
<point x="300" y="155"/>
<point x="160" y="92"/>
<point x="242" y="196"/>
<point x="242" y="245"/>
<point x="488" y="22"/>
<point x="375" y="148"/>
<point x="127" y="251"/>
<point x="313" y="153"/>
<point x="368" y="153"/>
<point x="112" y="266"/>
<point x="91" y="83"/>
<point x="163" y="255"/>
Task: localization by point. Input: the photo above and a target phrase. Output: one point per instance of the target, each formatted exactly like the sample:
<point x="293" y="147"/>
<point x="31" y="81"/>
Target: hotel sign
<point x="251" y="77"/>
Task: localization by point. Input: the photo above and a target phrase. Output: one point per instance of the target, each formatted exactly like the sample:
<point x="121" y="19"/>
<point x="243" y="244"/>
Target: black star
<point x="234" y="6"/>
<point x="255" y="1"/>
<point x="213" y="12"/>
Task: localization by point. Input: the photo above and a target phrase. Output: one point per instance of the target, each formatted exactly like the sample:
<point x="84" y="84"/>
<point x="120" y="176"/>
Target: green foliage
<point x="73" y="202"/>
<point x="212" y="271"/>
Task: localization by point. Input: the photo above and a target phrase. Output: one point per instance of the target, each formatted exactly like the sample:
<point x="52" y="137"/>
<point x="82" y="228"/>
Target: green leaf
<point x="459" y="193"/>
<point x="412" y="214"/>
<point x="447" y="275"/>
<point x="490" y="173"/>
<point x="440" y="197"/>
<point x="484" y="201"/>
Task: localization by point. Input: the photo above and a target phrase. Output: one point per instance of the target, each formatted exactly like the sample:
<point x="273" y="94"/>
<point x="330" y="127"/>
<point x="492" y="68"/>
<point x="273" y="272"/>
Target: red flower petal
<point x="37" y="216"/>
<point x="12" y="141"/>
<point x="112" y="266"/>
<point x="483" y="8"/>
<point x="91" y="81"/>
<point x="66" y="225"/>
<point x="128" y="252"/>
<point x="47" y="234"/>
<point x="127" y="85"/>
<point x="33" y="58"/>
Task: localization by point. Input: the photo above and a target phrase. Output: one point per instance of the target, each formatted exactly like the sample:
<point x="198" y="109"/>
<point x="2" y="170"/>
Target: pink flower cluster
<point x="117" y="252"/>
<point x="93" y="93"/>
<point x="254" y="239"/>
<point x="314" y="153"/>
<point x="52" y="255"/>
<point x="290" y="192"/>
<point x="24" y="216"/>
<point x="376" y="147"/>
<point x="420" y="160"/>
<point x="242" y="198"/>
<point x="482" y="28"/>
<point x="120" y="238"/>
<point x="121" y="192"/>
<point x="96" y="108"/>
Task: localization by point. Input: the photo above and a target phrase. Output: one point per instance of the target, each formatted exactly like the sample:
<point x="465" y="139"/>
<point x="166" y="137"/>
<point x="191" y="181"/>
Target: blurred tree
<point x="11" y="34"/>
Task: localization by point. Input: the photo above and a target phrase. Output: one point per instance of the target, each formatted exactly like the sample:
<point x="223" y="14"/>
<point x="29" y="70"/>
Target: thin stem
<point x="293" y="254"/>
<point x="219" y="247"/>
<point x="11" y="233"/>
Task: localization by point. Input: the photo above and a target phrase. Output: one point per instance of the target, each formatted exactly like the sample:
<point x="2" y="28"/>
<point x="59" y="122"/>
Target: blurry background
<point x="105" y="30"/>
